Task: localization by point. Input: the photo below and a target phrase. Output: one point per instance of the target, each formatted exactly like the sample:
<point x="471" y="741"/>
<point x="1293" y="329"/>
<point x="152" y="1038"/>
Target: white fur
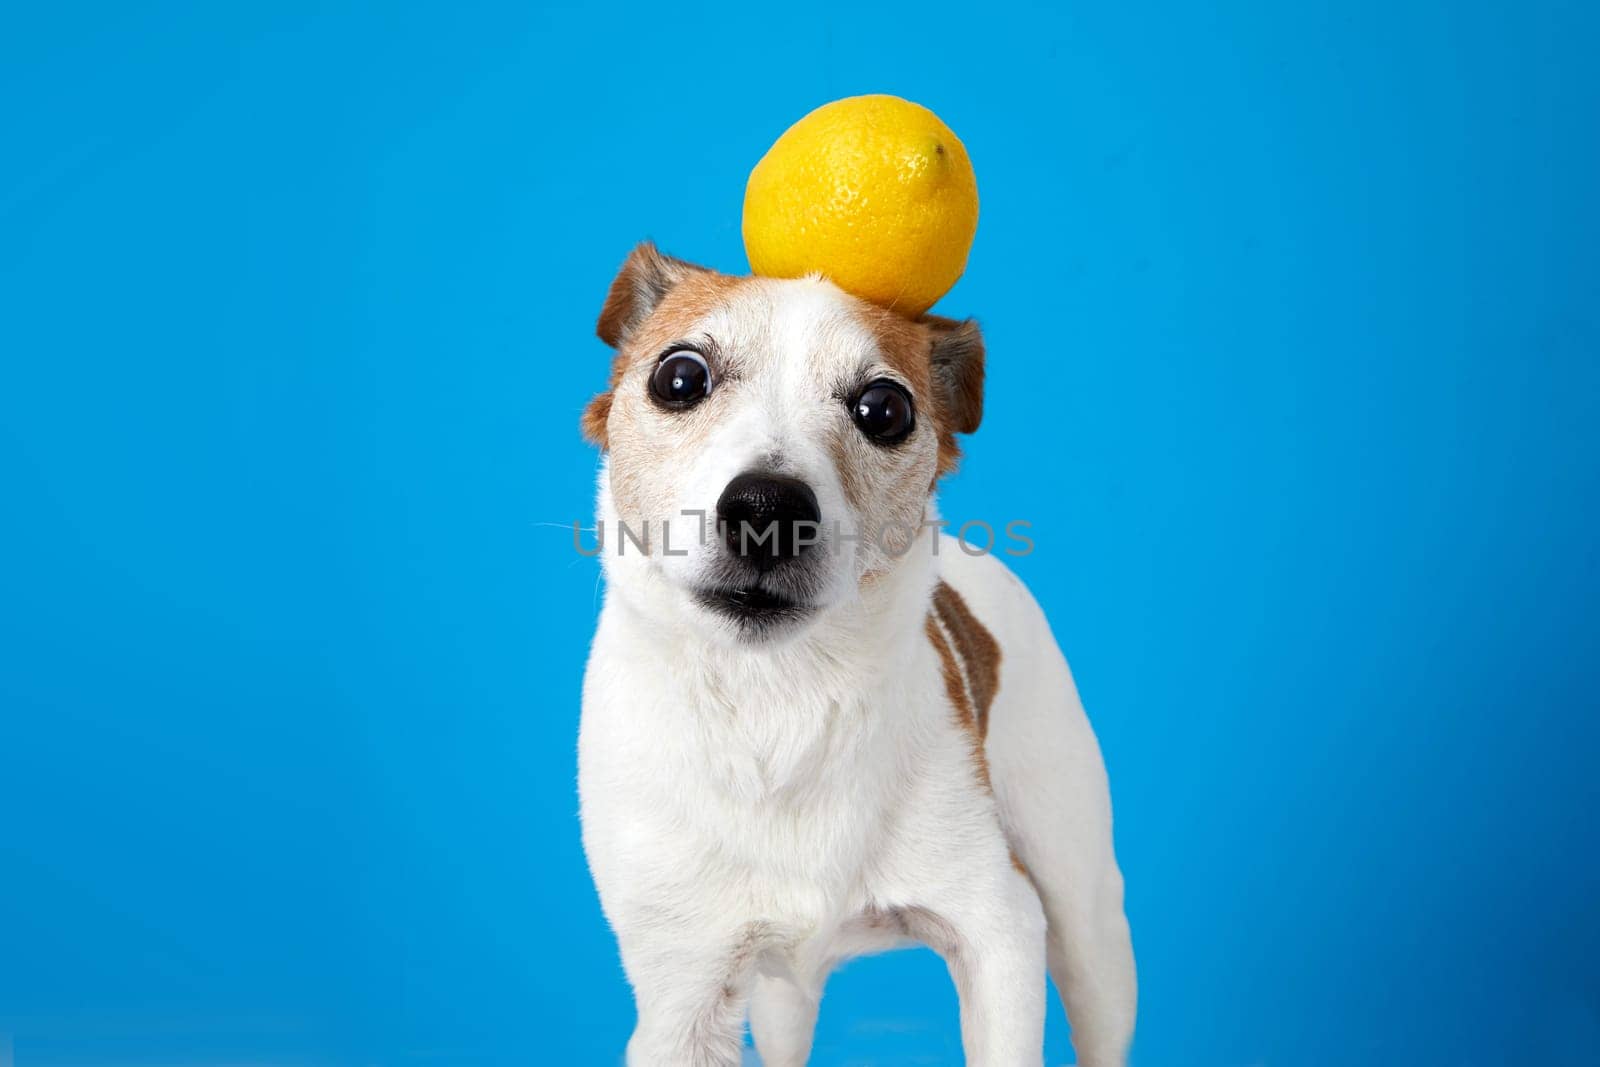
<point x="756" y="811"/>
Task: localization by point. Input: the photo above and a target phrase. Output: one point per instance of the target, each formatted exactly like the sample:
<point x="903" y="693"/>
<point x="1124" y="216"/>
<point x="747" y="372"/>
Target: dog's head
<point x="772" y="445"/>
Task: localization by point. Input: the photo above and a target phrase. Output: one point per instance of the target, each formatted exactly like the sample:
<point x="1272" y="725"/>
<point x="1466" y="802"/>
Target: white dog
<point x="812" y="726"/>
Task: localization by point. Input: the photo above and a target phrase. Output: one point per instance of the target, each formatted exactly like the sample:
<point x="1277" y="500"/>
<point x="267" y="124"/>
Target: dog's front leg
<point x="690" y="993"/>
<point x="994" y="945"/>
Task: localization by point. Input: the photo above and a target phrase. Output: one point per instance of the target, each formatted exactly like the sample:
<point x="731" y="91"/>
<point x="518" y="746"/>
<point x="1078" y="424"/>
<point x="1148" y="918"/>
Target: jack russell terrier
<point x="813" y="726"/>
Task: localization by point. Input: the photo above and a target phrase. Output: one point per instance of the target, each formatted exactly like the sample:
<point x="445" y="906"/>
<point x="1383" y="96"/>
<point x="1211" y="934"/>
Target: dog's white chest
<point x="773" y="801"/>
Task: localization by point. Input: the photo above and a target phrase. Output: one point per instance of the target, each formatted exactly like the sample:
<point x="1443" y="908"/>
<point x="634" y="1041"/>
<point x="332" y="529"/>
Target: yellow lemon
<point x="872" y="191"/>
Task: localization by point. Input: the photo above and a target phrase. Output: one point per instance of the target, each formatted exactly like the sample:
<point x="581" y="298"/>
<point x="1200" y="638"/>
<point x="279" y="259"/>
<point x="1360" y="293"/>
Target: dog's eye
<point x="883" y="412"/>
<point x="681" y="378"/>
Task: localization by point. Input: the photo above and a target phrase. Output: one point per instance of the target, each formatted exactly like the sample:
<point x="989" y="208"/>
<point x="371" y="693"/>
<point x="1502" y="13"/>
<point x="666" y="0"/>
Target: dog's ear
<point x="956" y="360"/>
<point x="644" y="279"/>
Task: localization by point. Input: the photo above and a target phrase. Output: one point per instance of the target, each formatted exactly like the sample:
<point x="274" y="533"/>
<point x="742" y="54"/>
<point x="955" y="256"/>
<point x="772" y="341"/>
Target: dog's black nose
<point x="768" y="518"/>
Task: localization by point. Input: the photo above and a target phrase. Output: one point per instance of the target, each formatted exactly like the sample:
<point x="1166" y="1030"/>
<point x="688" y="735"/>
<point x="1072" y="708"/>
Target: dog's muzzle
<point x="767" y="523"/>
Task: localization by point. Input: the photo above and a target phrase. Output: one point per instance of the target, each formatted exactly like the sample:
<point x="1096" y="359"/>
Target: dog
<point x="804" y="739"/>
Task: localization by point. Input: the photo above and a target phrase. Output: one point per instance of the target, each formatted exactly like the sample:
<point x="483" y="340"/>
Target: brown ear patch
<point x="646" y="277"/>
<point x="956" y="360"/>
<point x="969" y="660"/>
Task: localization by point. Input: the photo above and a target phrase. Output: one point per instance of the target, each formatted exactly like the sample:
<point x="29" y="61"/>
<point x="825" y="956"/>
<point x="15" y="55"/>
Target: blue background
<point x="1295" y="367"/>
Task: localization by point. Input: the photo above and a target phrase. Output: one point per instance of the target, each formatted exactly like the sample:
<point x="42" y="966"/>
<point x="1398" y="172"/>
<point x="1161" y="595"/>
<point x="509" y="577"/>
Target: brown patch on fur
<point x="942" y="360"/>
<point x="654" y="300"/>
<point x="977" y="649"/>
<point x="907" y="346"/>
<point x="955" y="687"/>
<point x="692" y="299"/>
<point x="903" y="342"/>
<point x="1020" y="867"/>
<point x="631" y="412"/>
